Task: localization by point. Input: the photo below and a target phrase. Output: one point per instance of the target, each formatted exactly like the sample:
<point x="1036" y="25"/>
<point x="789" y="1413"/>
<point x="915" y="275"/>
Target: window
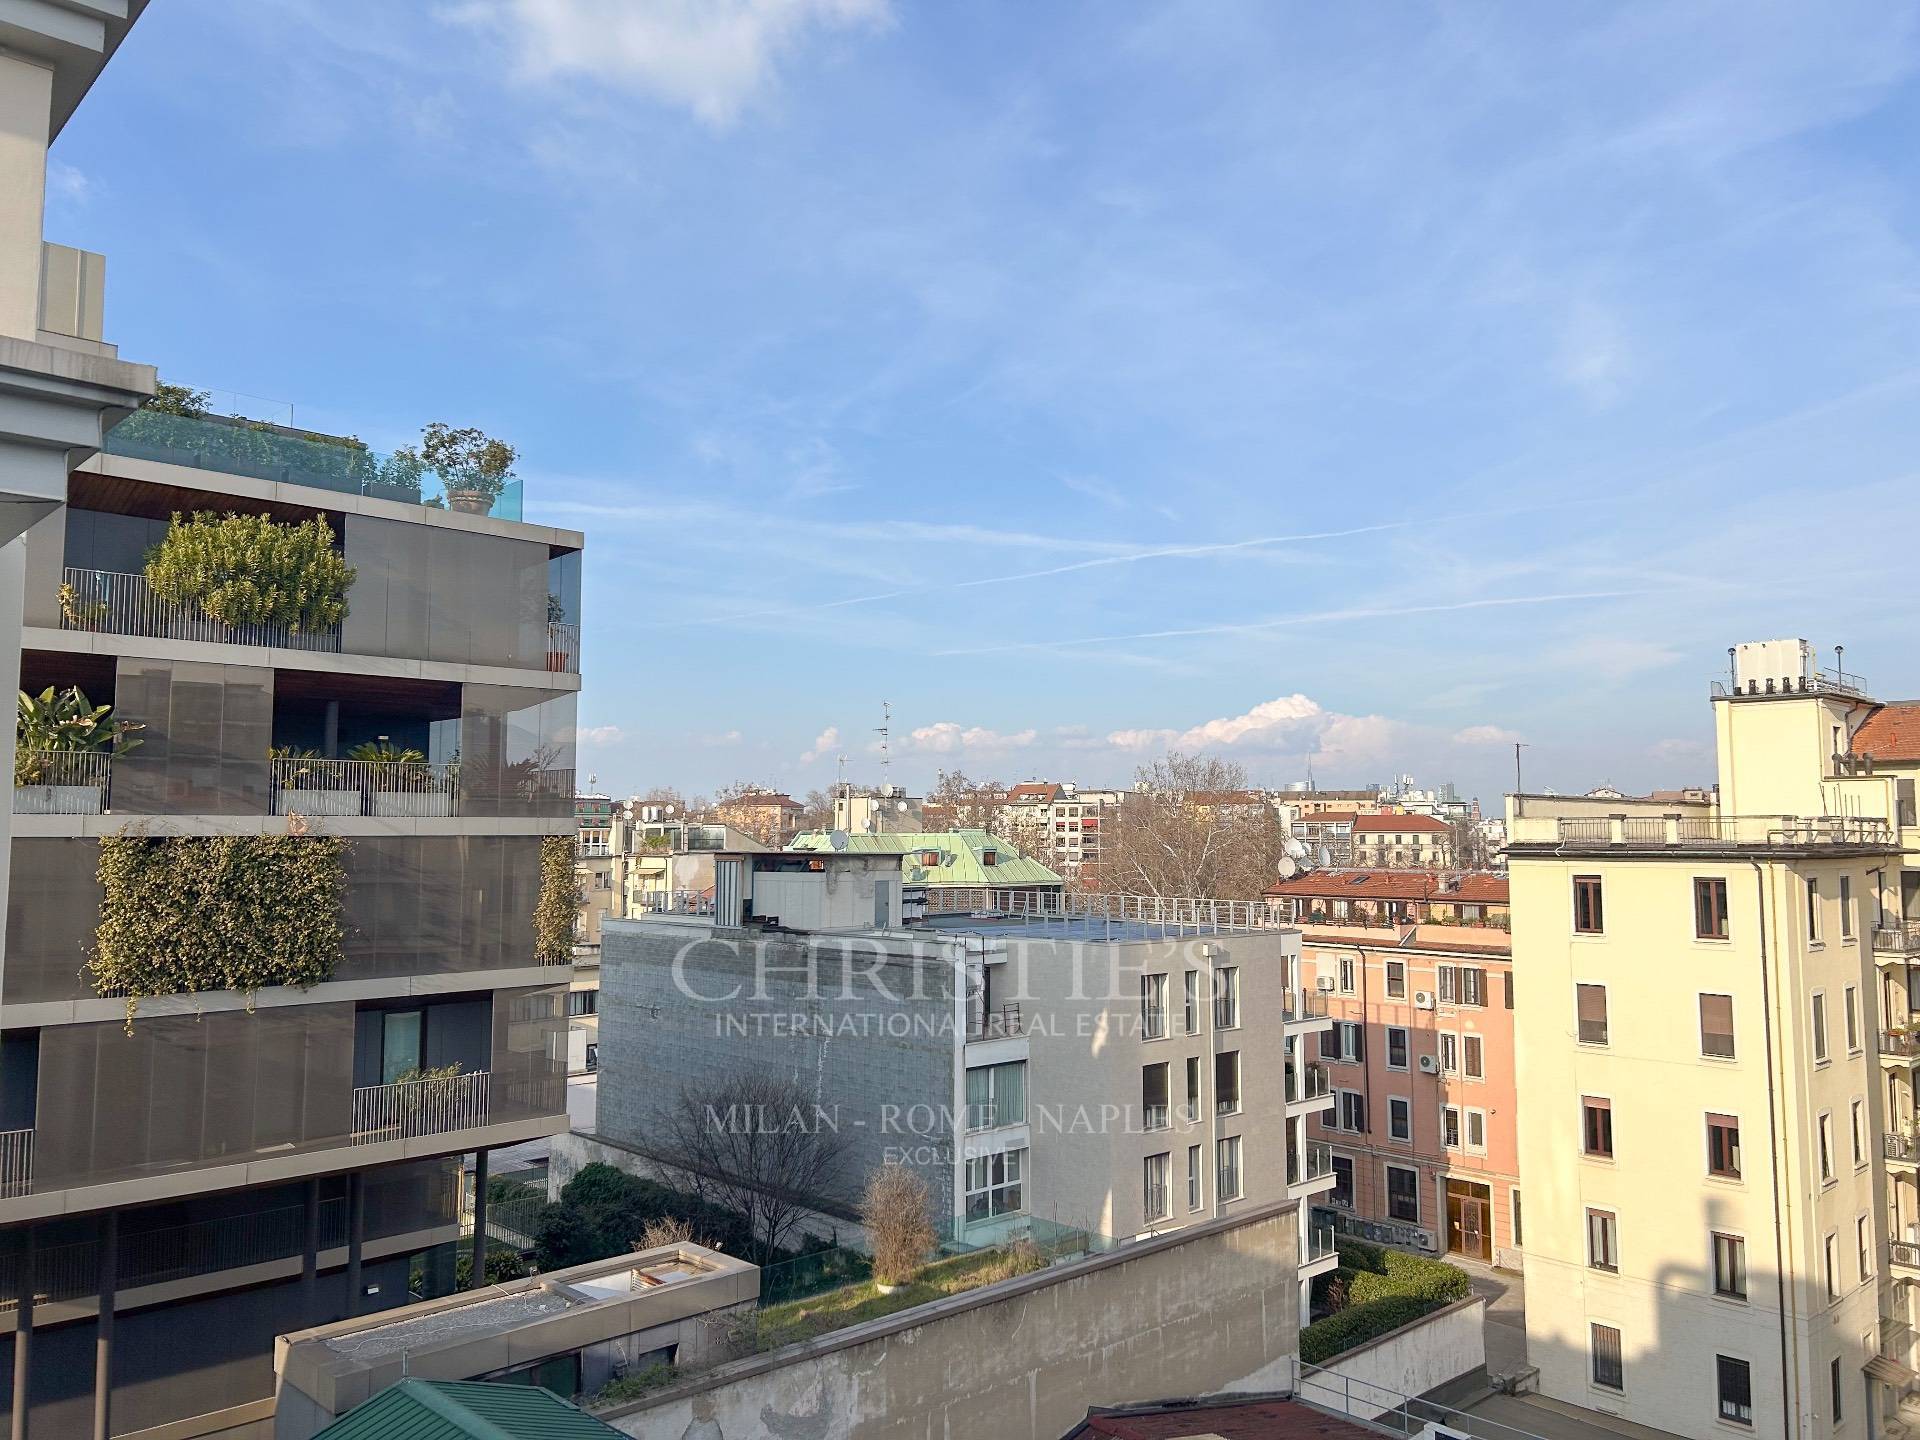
<point x="1596" y="1125"/>
<point x="1826" y="1147"/>
<point x="1403" y="1194"/>
<point x="1830" y="1263"/>
<point x="1342" y="1192"/>
<point x="1346" y="975"/>
<point x="1587" y="913"/>
<point x="1850" y="1013"/>
<point x="1734" y="1379"/>
<point x="1835" y="1387"/>
<point x="1352" y="1112"/>
<point x="1477" y="1131"/>
<point x="1472" y="1062"/>
<point x="1863" y="1247"/>
<point x="1154" y="1101"/>
<point x="583" y="1002"/>
<point x="1462" y="985"/>
<point x="1449" y="1053"/>
<point x="1345" y="1041"/>
<point x="1846" y="907"/>
<point x="1227" y="1153"/>
<point x="1190" y="1001"/>
<point x="1605" y="1344"/>
<point x="1194" y="1161"/>
<point x="1396" y="979"/>
<point x="1603" y="1249"/>
<point x="1226" y="1082"/>
<point x="1519" y="1238"/>
<point x="1723" y="1146"/>
<point x="1813" y="911"/>
<point x="1710" y="909"/>
<point x="993" y="1184"/>
<point x="997" y="1095"/>
<point x="1450" y="1126"/>
<point x="1590" y="1008"/>
<point x="1859" y="1127"/>
<point x="1153" y="1006"/>
<point x="1158" y="1173"/>
<point x="1509" y="990"/>
<point x="1399" y="1118"/>
<point x="1729" y="1266"/>
<point x="1396" y="1047"/>
<point x="1226" y="997"/>
<point x="1193" y="1087"/>
<point x="1716" y="1026"/>
<point x="1819" y="1028"/>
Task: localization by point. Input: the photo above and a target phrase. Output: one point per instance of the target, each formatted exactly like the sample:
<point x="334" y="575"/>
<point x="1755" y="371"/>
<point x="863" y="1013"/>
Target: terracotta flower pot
<point x="470" y="502"/>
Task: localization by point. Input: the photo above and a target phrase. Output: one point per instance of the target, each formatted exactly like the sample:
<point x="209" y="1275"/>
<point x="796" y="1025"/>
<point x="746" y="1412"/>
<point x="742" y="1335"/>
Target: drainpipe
<point x="1787" y="1412"/>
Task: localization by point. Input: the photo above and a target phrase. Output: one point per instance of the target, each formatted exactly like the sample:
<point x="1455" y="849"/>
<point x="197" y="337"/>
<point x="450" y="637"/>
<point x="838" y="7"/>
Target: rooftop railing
<point x="362" y="787"/>
<point x="1820" y="682"/>
<point x="1683" y="832"/>
<point x="405" y="1109"/>
<point x="675" y="902"/>
<point x="235" y="446"/>
<point x="112" y="602"/>
<point x="62" y="782"/>
<point x="1078" y="910"/>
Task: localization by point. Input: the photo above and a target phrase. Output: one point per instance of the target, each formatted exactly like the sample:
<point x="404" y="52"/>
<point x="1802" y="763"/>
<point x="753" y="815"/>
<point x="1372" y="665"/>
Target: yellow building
<point x="1715" y="1072"/>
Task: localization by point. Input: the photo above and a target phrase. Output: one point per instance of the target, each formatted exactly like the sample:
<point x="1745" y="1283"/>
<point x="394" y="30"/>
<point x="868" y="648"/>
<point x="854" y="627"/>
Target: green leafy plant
<point x="252" y="570"/>
<point x="64" y="722"/>
<point x="558" y="908"/>
<point x="503" y="1264"/>
<point x="387" y="753"/>
<point x="468" y="461"/>
<point x="556" y="609"/>
<point x="79" y="611"/>
<point x="632" y="1387"/>
<point x="180" y="914"/>
<point x="1376" y="1290"/>
<point x="179" y="400"/>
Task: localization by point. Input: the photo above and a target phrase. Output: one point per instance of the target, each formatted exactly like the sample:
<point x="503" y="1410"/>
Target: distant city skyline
<point x="1271" y="380"/>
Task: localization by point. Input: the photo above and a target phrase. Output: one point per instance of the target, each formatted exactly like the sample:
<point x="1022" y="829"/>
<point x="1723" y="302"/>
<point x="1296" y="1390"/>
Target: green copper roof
<point x="960" y="857"/>
<point x="466" y="1410"/>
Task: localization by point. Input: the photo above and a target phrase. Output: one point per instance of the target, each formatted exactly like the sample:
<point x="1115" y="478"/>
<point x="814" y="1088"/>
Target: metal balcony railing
<point x="1093" y="916"/>
<point x="1900" y="937"/>
<point x="1313" y="1160"/>
<point x="563" y="648"/>
<point x="363" y="787"/>
<point x="1157" y="1117"/>
<point x="404" y="1109"/>
<point x="62" y="782"/>
<point x="1905" y="1253"/>
<point x="16" y="1163"/>
<point x="114" y="603"/>
<point x="998" y="1024"/>
<point x="1820" y="682"/>
<point x="1308" y="1080"/>
<point x="1153" y="1022"/>
<point x="1900" y="1042"/>
<point x="1707" y="832"/>
<point x="1900" y="1145"/>
<point x="675" y="902"/>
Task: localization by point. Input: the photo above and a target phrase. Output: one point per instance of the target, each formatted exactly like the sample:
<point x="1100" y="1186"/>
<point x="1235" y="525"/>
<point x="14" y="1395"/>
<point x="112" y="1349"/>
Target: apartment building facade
<point x="187" y="1171"/>
<point x="1048" y="1063"/>
<point x="1714" y="1070"/>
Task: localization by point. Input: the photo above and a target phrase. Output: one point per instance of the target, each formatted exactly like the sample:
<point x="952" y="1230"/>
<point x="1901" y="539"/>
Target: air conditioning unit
<point x="1429" y="1065"/>
<point x="1324" y="984"/>
<point x="1423" y="999"/>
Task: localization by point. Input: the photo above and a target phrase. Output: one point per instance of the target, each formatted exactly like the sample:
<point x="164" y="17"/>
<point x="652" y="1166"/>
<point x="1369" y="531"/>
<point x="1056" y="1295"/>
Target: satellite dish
<point x="1295" y="849"/>
<point x="1326" y="857"/>
<point x="838" y="839"/>
<point x="1288" y="867"/>
<point x="901" y="806"/>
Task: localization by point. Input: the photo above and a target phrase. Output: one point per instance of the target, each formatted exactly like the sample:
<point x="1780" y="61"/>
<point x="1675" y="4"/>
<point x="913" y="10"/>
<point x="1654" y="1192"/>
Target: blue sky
<point x="1375" y="383"/>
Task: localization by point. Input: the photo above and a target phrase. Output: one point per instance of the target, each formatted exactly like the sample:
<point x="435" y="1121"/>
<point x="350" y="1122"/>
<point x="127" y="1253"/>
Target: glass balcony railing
<point x="252" y="448"/>
<point x="1313" y="1160"/>
<point x="1320" y="1242"/>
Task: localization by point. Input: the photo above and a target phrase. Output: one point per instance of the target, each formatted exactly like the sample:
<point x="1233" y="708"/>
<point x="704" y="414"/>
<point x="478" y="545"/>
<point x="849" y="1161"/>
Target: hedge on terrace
<point x="1378" y="1290"/>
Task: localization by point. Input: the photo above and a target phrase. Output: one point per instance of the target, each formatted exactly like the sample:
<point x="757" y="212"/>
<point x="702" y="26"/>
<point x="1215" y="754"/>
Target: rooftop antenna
<point x="883" y="730"/>
<point x="840" y="775"/>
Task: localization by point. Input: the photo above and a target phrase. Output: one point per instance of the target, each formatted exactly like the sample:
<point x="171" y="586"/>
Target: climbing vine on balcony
<point x="181" y="914"/>
<point x="253" y="570"/>
<point x="559" y="904"/>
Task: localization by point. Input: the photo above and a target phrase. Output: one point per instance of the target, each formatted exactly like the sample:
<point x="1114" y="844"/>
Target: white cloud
<point x="944" y="737"/>
<point x="711" y="57"/>
<point x="823" y="744"/>
<point x="601" y="735"/>
<point x="66" y="183"/>
<point x="1486" y="735"/>
<point x="1270" y="720"/>
<point x="725" y="737"/>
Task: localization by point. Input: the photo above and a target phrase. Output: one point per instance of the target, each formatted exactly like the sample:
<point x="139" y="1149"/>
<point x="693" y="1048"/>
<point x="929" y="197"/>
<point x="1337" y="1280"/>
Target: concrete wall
<point x="1208" y="1309"/>
<point x="1432" y="1353"/>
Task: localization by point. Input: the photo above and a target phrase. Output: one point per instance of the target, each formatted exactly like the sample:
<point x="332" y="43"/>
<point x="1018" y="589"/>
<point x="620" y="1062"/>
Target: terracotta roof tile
<point x="1891" y="733"/>
<point x="1425" y="824"/>
<point x="1474" y="887"/>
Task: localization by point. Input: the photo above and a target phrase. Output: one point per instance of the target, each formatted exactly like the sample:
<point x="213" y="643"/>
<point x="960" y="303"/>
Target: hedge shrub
<point x="252" y="570"/>
<point x="558" y="908"/>
<point x="1384" y="1290"/>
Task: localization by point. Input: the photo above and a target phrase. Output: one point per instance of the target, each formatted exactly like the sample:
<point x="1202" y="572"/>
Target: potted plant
<point x="305" y="782"/>
<point x="249" y="572"/>
<point x="398" y="781"/>
<point x="474" y="467"/>
<point x="559" y="652"/>
<point x="63" y="743"/>
<point x="80" y="612"/>
<point x="397" y="477"/>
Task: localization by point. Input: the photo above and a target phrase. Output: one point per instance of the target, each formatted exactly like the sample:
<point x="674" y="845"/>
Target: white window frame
<point x="1823" y="1139"/>
<point x="1400" y="1106"/>
<point x="1339" y="1117"/>
<point x="1386" y="1192"/>
<point x="1863" y="1245"/>
<point x="1450" y="1119"/>
<point x="1449" y="1052"/>
<point x="1346" y="973"/>
<point x="1196" y="1184"/>
<point x="1406" y="1047"/>
<point x="1015" y="1160"/>
<point x="1229" y="1145"/>
<point x="1857" y="1123"/>
<point x="1473" y="1115"/>
<point x="1472" y="1043"/>
<point x="1817" y="1026"/>
<point x="1851" y="1015"/>
<point x="1162" y="1161"/>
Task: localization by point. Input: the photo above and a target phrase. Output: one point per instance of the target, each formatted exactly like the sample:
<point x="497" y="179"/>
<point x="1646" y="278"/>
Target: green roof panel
<point x="960" y="857"/>
<point x="466" y="1410"/>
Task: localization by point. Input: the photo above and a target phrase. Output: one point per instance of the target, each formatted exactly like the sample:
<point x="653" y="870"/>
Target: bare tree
<point x="897" y="1212"/>
<point x="740" y="805"/>
<point x="1468" y="845"/>
<point x="967" y="804"/>
<point x="818" y="811"/>
<point x="757" y="1145"/>
<point x="1191" y="827"/>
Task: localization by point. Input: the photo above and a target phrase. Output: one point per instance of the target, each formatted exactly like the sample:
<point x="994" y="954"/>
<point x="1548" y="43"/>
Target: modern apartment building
<point x="1717" y="1140"/>
<point x="1060" y="824"/>
<point x="257" y="998"/>
<point x="1047" y="1063"/>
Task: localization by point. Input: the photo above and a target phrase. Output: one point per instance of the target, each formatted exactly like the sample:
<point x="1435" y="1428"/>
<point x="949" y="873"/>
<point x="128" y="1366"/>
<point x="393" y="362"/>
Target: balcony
<point x="1002" y="1023"/>
<point x="1897" y="940"/>
<point x="1905" y="1254"/>
<point x="563" y="648"/>
<point x="234" y="446"/>
<point x="1300" y="1005"/>
<point x="16" y="1163"/>
<point x="363" y="787"/>
<point x="1321" y="1243"/>
<point x="1899" y="1044"/>
<point x="1313" y="1161"/>
<point x="111" y="602"/>
<point x="1702" y="832"/>
<point x="408" y="1109"/>
<point x="1901" y="1147"/>
<point x="1308" y="1080"/>
<point x="62" y="782"/>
